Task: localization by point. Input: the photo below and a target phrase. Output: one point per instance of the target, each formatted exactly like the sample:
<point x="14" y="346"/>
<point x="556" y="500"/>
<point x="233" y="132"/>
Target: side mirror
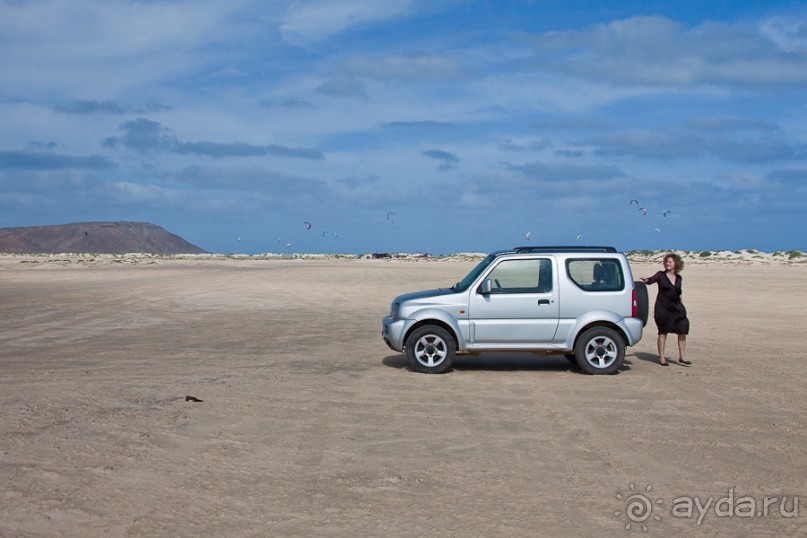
<point x="485" y="287"/>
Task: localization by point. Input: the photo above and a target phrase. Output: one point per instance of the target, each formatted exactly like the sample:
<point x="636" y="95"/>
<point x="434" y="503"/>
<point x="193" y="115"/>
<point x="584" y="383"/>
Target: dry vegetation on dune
<point x="744" y="256"/>
<point x="741" y="257"/>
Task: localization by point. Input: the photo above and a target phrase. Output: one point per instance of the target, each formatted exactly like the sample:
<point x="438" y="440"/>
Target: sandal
<point x="684" y="362"/>
<point x="665" y="363"/>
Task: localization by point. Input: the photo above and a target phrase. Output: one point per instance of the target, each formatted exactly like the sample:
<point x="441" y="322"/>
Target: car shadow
<point x="505" y="362"/>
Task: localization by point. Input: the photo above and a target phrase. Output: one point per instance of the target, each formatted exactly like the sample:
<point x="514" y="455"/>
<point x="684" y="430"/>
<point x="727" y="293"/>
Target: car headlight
<point x="394" y="310"/>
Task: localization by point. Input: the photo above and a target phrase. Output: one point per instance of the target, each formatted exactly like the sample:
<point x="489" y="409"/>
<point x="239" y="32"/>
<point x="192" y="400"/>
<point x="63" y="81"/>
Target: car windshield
<point x="469" y="279"/>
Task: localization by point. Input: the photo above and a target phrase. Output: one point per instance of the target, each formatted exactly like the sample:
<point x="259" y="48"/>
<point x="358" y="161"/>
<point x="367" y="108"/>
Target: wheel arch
<point x="601" y="323"/>
<point x="440" y="323"/>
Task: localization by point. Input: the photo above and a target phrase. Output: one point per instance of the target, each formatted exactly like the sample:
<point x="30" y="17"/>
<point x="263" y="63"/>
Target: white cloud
<point x="790" y="34"/>
<point x="136" y="193"/>
<point x="414" y="67"/>
<point x="314" y="21"/>
<point x="53" y="47"/>
<point x="661" y="52"/>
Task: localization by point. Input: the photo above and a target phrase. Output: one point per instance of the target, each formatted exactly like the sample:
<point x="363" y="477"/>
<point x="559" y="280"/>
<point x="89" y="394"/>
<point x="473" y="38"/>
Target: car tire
<point x="430" y="349"/>
<point x="600" y="351"/>
<point x="642" y="301"/>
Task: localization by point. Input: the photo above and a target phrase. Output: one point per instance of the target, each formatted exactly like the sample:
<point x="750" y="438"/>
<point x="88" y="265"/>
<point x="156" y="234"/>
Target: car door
<point x="521" y="308"/>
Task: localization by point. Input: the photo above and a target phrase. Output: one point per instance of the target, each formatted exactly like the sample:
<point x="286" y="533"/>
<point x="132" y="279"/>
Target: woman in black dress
<point x="669" y="311"/>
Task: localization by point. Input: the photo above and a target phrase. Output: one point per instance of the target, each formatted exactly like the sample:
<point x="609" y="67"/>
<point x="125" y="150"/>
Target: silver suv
<point x="580" y="302"/>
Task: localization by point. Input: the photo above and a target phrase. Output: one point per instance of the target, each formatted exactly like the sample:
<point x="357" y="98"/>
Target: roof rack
<point x="571" y="248"/>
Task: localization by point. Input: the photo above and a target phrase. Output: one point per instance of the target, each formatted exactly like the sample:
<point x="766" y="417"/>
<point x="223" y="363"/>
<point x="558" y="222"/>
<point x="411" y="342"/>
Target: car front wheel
<point x="430" y="349"/>
<point x="600" y="350"/>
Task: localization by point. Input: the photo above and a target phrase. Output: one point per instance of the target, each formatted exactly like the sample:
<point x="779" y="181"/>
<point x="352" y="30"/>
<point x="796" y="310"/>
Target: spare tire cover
<point x="642" y="301"/>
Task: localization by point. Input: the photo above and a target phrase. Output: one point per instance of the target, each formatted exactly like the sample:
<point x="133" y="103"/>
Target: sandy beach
<point x="308" y="425"/>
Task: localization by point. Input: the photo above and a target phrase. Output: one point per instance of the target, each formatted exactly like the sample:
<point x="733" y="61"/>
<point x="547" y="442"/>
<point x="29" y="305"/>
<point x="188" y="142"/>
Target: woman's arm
<point x="653" y="279"/>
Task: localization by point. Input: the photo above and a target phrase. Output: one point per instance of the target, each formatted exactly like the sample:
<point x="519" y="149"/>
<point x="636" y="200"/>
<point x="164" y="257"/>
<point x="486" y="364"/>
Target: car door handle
<point x="543" y="301"/>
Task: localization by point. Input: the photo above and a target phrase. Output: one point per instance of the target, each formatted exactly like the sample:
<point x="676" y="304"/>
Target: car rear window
<point x="596" y="274"/>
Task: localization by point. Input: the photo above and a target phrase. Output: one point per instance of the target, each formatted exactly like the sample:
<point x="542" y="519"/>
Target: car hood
<point x="427" y="294"/>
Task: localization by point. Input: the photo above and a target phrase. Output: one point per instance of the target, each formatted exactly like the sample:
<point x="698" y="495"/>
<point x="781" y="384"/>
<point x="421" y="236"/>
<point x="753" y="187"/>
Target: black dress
<point x="669" y="311"/>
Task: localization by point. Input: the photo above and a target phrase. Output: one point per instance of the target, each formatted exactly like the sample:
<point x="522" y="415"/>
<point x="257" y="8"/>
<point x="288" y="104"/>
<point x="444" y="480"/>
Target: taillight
<point x="634" y="313"/>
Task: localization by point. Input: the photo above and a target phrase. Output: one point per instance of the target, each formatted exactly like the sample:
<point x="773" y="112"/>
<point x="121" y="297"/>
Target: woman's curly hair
<point x="679" y="263"/>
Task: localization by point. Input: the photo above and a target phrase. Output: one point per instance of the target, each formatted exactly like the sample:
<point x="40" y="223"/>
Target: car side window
<point x="522" y="276"/>
<point x="596" y="275"/>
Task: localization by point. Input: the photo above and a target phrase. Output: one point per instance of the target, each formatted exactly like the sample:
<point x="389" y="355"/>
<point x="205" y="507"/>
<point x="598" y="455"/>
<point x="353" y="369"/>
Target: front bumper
<point x="393" y="331"/>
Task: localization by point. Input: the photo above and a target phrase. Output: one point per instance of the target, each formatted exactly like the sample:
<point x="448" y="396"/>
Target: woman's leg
<point x="682" y="348"/>
<point x="662" y="342"/>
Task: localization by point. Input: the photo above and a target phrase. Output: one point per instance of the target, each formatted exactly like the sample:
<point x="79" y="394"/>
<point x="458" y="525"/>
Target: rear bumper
<point x="633" y="330"/>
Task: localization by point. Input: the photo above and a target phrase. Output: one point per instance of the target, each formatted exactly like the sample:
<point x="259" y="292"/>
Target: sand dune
<point x="700" y="257"/>
<point x="310" y="426"/>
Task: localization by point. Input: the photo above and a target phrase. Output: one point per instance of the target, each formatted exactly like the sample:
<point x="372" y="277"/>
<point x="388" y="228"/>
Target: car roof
<point x="559" y="249"/>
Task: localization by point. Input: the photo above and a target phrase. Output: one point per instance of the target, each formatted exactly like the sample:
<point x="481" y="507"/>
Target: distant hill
<point x="94" y="237"/>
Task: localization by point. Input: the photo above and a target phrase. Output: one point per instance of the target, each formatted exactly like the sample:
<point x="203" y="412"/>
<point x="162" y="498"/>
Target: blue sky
<point x="417" y="125"/>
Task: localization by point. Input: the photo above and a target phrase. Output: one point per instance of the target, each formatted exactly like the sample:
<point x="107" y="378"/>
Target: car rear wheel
<point x="430" y="349"/>
<point x="600" y="350"/>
